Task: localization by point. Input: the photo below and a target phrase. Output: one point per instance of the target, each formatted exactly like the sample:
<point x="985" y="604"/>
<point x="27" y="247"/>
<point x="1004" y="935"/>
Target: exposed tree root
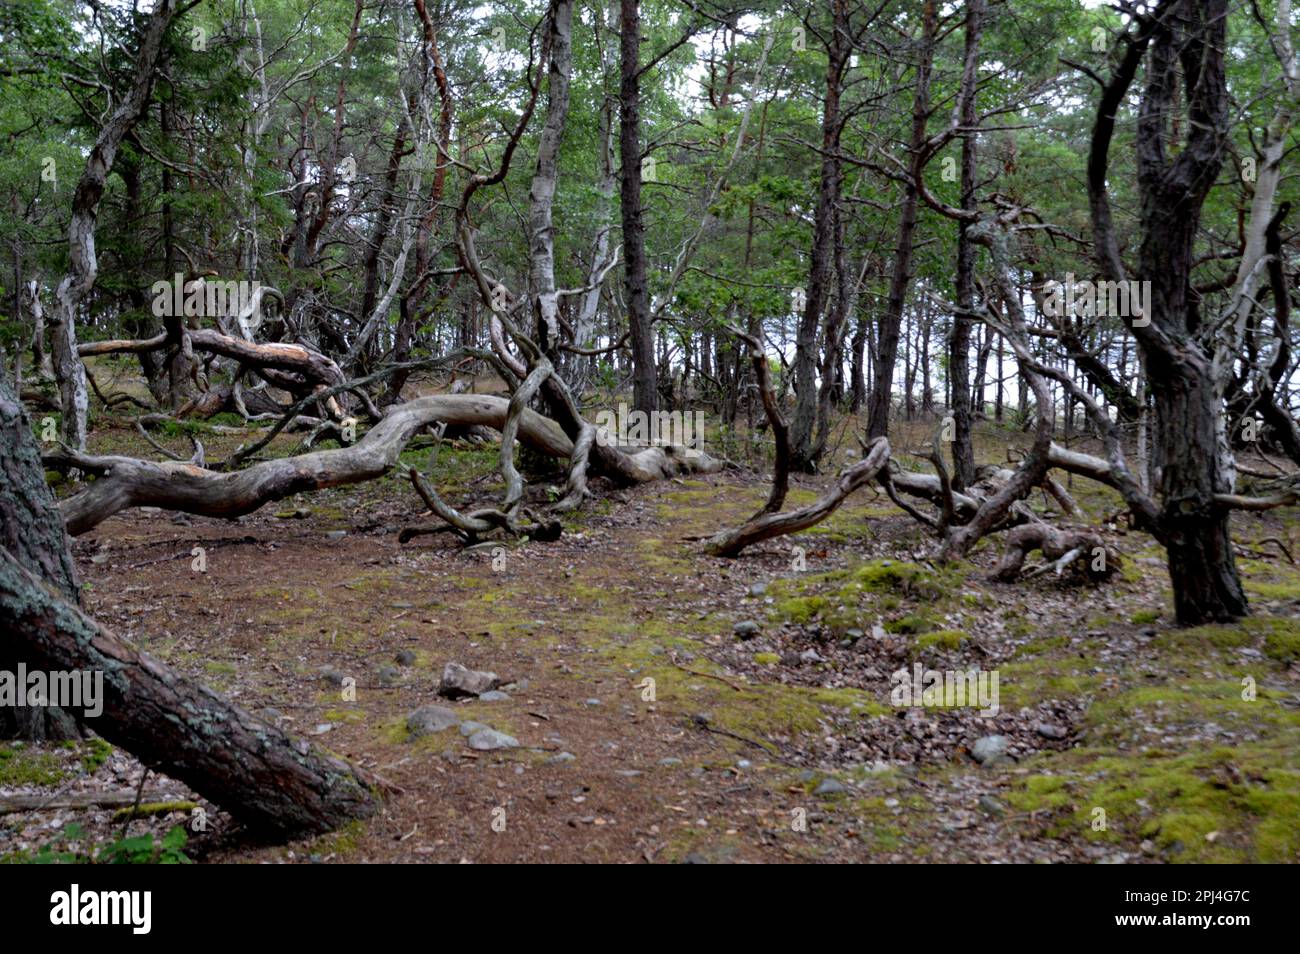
<point x="1084" y="550"/>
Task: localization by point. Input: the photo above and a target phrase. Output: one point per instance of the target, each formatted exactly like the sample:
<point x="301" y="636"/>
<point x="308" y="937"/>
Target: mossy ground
<point x="1164" y="741"/>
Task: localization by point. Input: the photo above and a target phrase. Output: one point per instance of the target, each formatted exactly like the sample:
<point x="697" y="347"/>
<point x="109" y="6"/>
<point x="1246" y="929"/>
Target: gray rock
<point x="670" y="761"/>
<point x="389" y="674"/>
<point x="991" y="806"/>
<point x="469" y="727"/>
<point x="758" y="589"/>
<point x="1048" y="731"/>
<point x="336" y="534"/>
<point x="487" y="740"/>
<point x="405" y="658"/>
<point x="559" y="758"/>
<point x="428" y="719"/>
<point x="989" y="749"/>
<point x="746" y="629"/>
<point x="830" y="786"/>
<point x="493" y="695"/>
<point x="591" y="702"/>
<point x="332" y="676"/>
<point x="459" y="682"/>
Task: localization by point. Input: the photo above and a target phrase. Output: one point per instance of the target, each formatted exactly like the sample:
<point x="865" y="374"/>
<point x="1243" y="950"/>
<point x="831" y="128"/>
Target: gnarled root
<point x="1085" y="551"/>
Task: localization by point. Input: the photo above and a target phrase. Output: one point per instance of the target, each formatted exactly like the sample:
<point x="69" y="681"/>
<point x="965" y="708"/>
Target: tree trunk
<point x="31" y="530"/>
<point x="963" y="451"/>
<point x="882" y="388"/>
<point x="803" y="456"/>
<point x="645" y="396"/>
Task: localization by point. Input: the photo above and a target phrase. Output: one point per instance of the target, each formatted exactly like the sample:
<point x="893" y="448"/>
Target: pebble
<point x="429" y="719"/>
<point x="493" y="695"/>
<point x="459" y="682"/>
<point x="989" y="748"/>
<point x="746" y="629"/>
<point x="487" y="740"/>
<point x="830" y="786"/>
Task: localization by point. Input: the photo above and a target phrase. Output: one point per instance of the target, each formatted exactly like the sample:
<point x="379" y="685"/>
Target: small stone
<point x="389" y="674"/>
<point x="469" y="727"/>
<point x="744" y="764"/>
<point x="854" y="634"/>
<point x="991" y="806"/>
<point x="336" y="534"/>
<point x="891" y="803"/>
<point x="1048" y="731"/>
<point x="989" y="749"/>
<point x="747" y="629"/>
<point x="559" y="758"/>
<point x="493" y="695"/>
<point x="591" y="702"/>
<point x="758" y="589"/>
<point x="670" y="761"/>
<point x="459" y="682"/>
<point x="810" y="656"/>
<point x="487" y="740"/>
<point x="830" y="786"/>
<point x="405" y="658"/>
<point x="332" y="676"/>
<point x="428" y="719"/>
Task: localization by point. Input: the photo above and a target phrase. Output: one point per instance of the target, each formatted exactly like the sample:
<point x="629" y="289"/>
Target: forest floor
<point x="1127" y="739"/>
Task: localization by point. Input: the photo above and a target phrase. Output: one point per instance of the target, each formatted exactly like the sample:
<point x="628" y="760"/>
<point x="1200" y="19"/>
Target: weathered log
<point x="731" y="542"/>
<point x="125" y="482"/>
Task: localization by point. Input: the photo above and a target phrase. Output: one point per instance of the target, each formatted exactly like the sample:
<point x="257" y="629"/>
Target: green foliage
<point x="69" y="848"/>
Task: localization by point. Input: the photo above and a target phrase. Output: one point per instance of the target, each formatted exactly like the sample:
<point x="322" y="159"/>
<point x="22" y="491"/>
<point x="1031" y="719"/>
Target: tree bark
<point x="645" y="394"/>
<point x="82" y="265"/>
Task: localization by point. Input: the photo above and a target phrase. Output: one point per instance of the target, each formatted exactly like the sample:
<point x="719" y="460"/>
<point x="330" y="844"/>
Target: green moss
<point x="909" y="625"/>
<point x="1283" y="643"/>
<point x="947" y="639"/>
<point x="1247" y="804"/>
<point x="343" y="842"/>
<point x="20" y="765"/>
<point x="766" y="659"/>
<point x="96" y="755"/>
<point x="1143" y="617"/>
<point x="800" y="609"/>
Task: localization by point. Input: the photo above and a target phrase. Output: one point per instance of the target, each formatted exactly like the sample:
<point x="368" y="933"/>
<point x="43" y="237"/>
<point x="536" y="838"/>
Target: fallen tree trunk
<point x="731" y="542"/>
<point x="125" y="482"/>
<point x="267" y="780"/>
